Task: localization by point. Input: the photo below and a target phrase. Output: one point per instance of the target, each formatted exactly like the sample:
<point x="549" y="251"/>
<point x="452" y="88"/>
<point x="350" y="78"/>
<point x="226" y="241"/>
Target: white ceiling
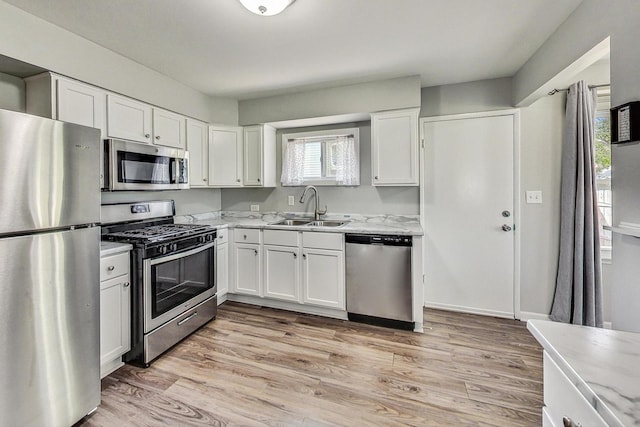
<point x="221" y="49"/>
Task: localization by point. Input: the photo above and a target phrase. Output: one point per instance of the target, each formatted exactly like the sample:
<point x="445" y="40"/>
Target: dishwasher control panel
<point x="379" y="239"/>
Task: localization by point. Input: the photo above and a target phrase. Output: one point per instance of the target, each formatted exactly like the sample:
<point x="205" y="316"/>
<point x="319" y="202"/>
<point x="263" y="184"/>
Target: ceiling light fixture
<point x="266" y="7"/>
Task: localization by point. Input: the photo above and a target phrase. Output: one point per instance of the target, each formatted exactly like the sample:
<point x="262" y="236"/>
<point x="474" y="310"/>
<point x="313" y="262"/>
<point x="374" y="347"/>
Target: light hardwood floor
<point x="256" y="366"/>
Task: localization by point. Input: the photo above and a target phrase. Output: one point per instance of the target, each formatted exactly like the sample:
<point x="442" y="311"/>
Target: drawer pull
<point x="111" y="268"/>
<point x="568" y="422"/>
<point x="187" y="319"/>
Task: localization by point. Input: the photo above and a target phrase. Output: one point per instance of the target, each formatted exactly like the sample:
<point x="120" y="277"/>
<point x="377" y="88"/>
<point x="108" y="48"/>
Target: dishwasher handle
<point x="379" y="239"/>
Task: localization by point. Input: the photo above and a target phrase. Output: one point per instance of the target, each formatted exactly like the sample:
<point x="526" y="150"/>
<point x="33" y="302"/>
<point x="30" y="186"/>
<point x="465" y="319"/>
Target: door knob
<point x="506" y="214"/>
<point x="506" y="227"/>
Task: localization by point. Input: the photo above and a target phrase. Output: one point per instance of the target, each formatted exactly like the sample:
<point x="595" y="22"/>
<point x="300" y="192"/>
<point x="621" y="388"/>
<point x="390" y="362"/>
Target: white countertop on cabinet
<point x="362" y="224"/>
<point x="601" y="363"/>
<point x="112" y="248"/>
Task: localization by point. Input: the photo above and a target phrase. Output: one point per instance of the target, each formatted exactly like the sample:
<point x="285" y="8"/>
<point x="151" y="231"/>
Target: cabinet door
<point x="115" y="335"/>
<point x="225" y="156"/>
<point x="197" y="144"/>
<point x="168" y="129"/>
<point x="128" y="119"/>
<point x="222" y="269"/>
<point x="323" y="278"/>
<point x="247" y="269"/>
<point x="281" y="272"/>
<point x="394" y="146"/>
<point x="81" y="104"/>
<point x="253" y="156"/>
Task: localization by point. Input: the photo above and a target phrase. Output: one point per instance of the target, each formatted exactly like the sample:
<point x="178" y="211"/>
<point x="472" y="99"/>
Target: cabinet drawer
<point x="222" y="235"/>
<point x="114" y="266"/>
<point x="563" y="399"/>
<point x="281" y="237"/>
<point x="246" y="235"/>
<point x="317" y="240"/>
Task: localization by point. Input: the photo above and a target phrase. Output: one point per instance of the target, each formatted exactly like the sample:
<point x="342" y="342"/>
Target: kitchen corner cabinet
<point x="394" y="148"/>
<point x="222" y="264"/>
<point x="323" y="282"/>
<point x="259" y="156"/>
<point x="225" y="156"/>
<point x="115" y="311"/>
<point x="198" y="147"/>
<point x="247" y="262"/>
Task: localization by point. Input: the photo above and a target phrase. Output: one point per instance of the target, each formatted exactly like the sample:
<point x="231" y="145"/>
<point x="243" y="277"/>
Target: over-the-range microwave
<point x="133" y="166"/>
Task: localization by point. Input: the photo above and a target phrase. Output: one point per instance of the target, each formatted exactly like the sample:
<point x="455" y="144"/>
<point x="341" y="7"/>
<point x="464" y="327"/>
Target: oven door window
<point x="177" y="281"/>
<point x="145" y="168"/>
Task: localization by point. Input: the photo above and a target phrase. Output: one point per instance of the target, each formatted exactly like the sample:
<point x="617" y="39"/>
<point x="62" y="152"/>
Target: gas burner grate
<point x="156" y="233"/>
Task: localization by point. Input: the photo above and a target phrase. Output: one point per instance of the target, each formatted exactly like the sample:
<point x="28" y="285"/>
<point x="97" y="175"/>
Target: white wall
<point x="484" y="95"/>
<point x="35" y="41"/>
<point x="12" y="93"/>
<point x="358" y="98"/>
<point x="363" y="199"/>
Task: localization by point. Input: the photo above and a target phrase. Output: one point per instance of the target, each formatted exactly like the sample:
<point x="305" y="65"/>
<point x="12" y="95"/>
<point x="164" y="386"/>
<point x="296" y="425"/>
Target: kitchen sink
<point x="292" y="222"/>
<point x="327" y="223"/>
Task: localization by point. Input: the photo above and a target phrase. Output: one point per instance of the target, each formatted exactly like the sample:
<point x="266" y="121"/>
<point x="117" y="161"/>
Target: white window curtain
<point x="293" y="163"/>
<point x="347" y="162"/>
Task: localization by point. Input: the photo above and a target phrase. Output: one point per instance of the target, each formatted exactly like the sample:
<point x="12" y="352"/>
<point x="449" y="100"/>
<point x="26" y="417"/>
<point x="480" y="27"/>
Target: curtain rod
<point x="323" y="137"/>
<point x="554" y="91"/>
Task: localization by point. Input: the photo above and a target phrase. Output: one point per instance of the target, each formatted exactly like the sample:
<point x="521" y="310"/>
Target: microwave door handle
<point x="174" y="167"/>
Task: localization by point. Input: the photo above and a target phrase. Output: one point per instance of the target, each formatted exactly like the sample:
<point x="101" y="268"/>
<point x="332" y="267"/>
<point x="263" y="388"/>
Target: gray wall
<point x="469" y="97"/>
<point x="35" y="41"/>
<point x="363" y="199"/>
<point x="358" y="98"/>
<point x="187" y="201"/>
<point x="12" y="93"/>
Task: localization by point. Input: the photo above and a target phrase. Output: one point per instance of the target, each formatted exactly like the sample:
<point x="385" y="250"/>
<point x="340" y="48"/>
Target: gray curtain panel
<point x="578" y="296"/>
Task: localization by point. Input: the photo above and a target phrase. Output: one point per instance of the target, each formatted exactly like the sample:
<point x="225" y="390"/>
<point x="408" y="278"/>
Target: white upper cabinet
<point x="259" y="156"/>
<point x="394" y="148"/>
<point x="225" y="156"/>
<point x="198" y="147"/>
<point x="61" y="98"/>
<point x="168" y="129"/>
<point x="128" y="119"/>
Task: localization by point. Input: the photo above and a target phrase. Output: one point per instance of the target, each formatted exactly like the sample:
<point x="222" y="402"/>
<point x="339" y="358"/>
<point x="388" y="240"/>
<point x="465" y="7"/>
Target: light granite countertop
<point x="601" y="363"/>
<point x="112" y="248"/>
<point x="408" y="225"/>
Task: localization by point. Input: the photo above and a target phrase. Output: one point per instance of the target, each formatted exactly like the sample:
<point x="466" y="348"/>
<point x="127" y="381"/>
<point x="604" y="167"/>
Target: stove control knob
<point x="163" y="249"/>
<point x="201" y="239"/>
<point x="174" y="247"/>
<point x="210" y="238"/>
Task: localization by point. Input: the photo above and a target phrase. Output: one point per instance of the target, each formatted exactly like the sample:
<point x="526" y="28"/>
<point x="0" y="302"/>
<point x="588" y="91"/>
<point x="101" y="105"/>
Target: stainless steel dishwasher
<point x="378" y="279"/>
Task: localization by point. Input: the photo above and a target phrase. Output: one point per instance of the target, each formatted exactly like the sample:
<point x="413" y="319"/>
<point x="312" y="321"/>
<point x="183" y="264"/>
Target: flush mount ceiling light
<point x="266" y="7"/>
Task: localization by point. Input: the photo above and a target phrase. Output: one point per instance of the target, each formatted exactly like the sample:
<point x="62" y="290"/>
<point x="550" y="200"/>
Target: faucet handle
<point x="322" y="212"/>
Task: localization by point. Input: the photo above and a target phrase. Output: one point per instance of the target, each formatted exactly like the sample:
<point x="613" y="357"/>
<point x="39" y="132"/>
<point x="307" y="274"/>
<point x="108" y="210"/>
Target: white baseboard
<point x="470" y="310"/>
<point x="530" y="315"/>
<point x="289" y="306"/>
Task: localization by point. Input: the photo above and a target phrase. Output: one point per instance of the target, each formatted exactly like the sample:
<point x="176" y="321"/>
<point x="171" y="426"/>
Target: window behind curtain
<point x="603" y="170"/>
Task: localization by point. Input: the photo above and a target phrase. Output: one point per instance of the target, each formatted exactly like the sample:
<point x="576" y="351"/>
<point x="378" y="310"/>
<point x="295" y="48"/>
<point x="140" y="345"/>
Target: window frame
<point x="321" y="135"/>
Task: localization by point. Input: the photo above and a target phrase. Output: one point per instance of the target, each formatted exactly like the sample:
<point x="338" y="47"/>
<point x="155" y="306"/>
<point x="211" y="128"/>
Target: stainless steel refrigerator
<point x="49" y="271"/>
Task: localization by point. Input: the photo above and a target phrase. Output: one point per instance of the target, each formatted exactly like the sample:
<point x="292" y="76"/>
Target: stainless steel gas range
<point x="173" y="288"/>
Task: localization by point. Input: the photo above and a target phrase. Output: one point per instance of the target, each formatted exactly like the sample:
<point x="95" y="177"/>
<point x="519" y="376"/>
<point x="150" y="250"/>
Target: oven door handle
<point x="199" y="249"/>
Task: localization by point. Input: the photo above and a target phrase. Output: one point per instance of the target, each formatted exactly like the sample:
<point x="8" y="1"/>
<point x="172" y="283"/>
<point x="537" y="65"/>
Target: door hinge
<point x="422" y="140"/>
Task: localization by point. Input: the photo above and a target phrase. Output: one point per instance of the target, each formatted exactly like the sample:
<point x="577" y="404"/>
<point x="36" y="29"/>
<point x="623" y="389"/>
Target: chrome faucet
<point x="317" y="212"/>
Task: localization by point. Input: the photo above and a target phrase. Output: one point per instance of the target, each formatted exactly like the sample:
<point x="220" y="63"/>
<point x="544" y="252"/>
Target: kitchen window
<point x="330" y="157"/>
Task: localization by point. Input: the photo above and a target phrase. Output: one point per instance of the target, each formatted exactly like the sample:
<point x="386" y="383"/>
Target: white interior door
<point x="468" y="213"/>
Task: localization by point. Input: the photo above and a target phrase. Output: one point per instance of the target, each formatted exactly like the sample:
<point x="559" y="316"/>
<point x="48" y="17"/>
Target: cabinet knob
<point x="158" y="137"/>
<point x="244" y="237"/>
<point x="295" y="255"/>
<point x="375" y="177"/>
<point x="258" y="179"/>
<point x="111" y="268"/>
<point x="146" y="135"/>
<point x="304" y="256"/>
<point x="237" y="180"/>
<point x="568" y="422"/>
<point x="126" y="284"/>
<point x="204" y="179"/>
<point x="255" y="252"/>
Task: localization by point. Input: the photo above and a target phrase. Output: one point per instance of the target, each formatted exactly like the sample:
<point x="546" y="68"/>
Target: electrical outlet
<point x="291" y="201"/>
<point x="255" y="208"/>
<point x="534" y="196"/>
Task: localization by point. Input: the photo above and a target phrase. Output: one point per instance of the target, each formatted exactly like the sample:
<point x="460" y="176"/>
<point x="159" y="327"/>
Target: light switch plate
<point x="291" y="201"/>
<point x="255" y="208"/>
<point x="534" y="196"/>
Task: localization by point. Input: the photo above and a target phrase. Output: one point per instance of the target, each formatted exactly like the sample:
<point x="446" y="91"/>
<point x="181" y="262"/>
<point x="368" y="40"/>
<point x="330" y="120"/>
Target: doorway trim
<point x="517" y="200"/>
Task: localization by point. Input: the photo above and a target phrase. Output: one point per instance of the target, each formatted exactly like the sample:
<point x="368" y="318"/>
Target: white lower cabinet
<point x="562" y="399"/>
<point x="115" y="311"/>
<point x="299" y="267"/>
<point x="222" y="264"/>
